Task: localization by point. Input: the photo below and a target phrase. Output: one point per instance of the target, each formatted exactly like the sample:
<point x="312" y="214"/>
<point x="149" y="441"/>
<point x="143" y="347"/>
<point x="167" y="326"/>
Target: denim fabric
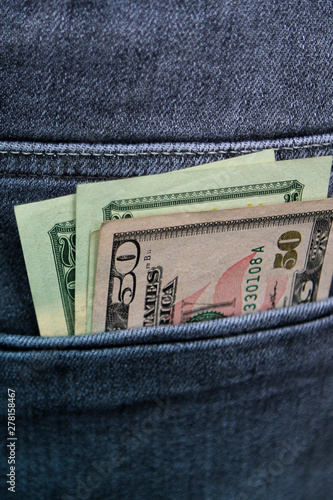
<point x="189" y="70"/>
<point x="240" y="417"/>
<point x="235" y="409"/>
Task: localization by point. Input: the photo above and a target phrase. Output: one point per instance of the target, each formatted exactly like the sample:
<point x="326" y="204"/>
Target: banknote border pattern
<point x="292" y="190"/>
<point x="67" y="303"/>
<point x="207" y="227"/>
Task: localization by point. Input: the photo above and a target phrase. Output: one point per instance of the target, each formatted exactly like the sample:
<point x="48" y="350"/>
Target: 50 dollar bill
<point x="191" y="267"/>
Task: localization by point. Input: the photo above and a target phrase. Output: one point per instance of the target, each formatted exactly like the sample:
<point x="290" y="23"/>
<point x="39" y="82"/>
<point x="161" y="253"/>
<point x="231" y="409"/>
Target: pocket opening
<point x="249" y="324"/>
<point x="57" y="176"/>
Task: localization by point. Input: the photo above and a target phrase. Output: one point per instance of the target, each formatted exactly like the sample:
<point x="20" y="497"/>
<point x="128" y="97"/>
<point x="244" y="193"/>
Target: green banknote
<point x="240" y="182"/>
<point x="86" y="308"/>
<point x="47" y="232"/>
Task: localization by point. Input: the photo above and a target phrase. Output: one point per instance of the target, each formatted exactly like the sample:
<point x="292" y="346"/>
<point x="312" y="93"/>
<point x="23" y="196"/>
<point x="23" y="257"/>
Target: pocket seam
<point x="156" y="153"/>
<point x="7" y="344"/>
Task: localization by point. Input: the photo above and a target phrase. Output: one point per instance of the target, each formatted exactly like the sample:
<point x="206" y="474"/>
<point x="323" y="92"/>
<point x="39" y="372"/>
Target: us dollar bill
<point x="245" y="181"/>
<point x="48" y="236"/>
<point x="110" y="201"/>
<point x="191" y="267"/>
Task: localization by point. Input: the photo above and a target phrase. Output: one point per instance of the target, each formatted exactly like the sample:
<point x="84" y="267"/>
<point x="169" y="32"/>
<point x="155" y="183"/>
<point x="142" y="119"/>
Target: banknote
<point x="240" y="182"/>
<point x="189" y="267"/>
<point x="47" y="233"/>
<point x="87" y="265"/>
<point x="256" y="158"/>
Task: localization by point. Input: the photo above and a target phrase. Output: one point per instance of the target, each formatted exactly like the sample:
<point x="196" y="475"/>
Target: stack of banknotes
<point x="238" y="236"/>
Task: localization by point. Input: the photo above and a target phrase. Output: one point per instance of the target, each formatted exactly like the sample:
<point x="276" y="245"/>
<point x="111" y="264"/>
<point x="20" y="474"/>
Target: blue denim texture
<point x="189" y="70"/>
<point x="240" y="417"/>
<point x="235" y="409"/>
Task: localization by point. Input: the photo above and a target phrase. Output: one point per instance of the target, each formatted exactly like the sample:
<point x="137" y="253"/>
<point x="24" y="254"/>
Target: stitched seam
<point x="156" y="153"/>
<point x="323" y="317"/>
<point x="152" y="153"/>
<point x="55" y="176"/>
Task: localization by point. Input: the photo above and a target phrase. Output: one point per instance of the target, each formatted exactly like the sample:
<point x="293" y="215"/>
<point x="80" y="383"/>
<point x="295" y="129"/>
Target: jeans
<point x="235" y="409"/>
